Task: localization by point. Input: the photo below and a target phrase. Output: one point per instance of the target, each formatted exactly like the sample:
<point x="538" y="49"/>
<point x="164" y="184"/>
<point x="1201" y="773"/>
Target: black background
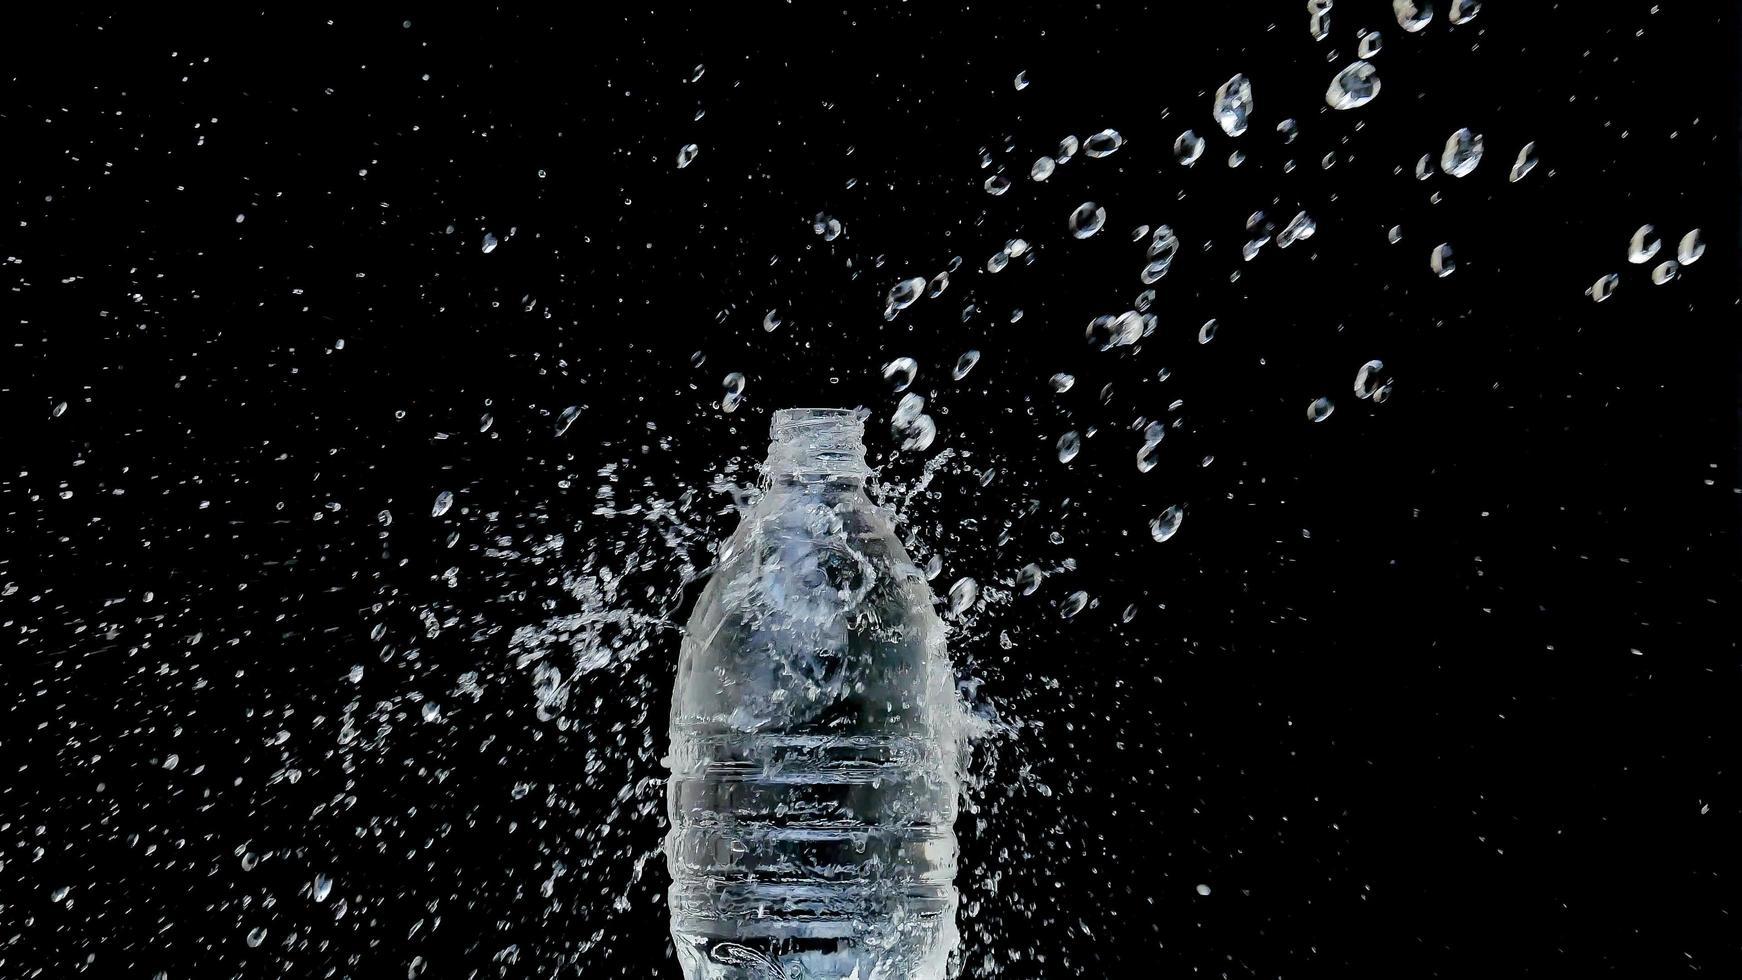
<point x="1438" y="687"/>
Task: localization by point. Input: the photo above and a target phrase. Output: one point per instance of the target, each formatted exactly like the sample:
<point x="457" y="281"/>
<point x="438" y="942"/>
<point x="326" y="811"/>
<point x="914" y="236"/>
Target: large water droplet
<point x="903" y="294"/>
<point x="1603" y="288"/>
<point x="1289" y="129"/>
<point x="1087" y="219"/>
<point x="1320" y="409"/>
<point x="964" y="364"/>
<point x="444" y="502"/>
<point x="686" y="155"/>
<point x="323" y="886"/>
<point x="256" y="936"/>
<point x="1525" y="163"/>
<point x="1691" y="248"/>
<point x="1067" y="149"/>
<point x="1188" y="147"/>
<point x="1664" y="272"/>
<point x="1353" y="87"/>
<point x="1104" y="143"/>
<point x="1370" y="44"/>
<point x="1462" y="152"/>
<point x="1166" y="524"/>
<point x="1028" y="578"/>
<point x="1412" y="15"/>
<point x="1042" y="168"/>
<point x="1233" y="105"/>
<point x="997" y="184"/>
<point x="1463" y="11"/>
<point x="489" y="242"/>
<point x="1441" y="261"/>
<point x="1069" y="445"/>
<point x="1074" y="603"/>
<point x="1424" y="168"/>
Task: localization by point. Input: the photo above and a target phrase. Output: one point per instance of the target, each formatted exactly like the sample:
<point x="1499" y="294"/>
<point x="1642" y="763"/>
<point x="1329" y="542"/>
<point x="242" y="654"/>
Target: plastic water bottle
<point x="815" y="738"/>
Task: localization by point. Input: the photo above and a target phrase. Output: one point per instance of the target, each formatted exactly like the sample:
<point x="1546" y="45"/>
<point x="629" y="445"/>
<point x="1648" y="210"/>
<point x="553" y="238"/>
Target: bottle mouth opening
<point x="786" y="419"/>
<point x="817" y="441"/>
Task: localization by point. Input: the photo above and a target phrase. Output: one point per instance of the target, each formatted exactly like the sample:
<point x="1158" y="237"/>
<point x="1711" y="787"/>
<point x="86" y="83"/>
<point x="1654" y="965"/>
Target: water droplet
<point x="567" y="418"/>
<point x="1028" y="578"/>
<point x="1320" y="409"/>
<point x="59" y="409"/>
<point x="901" y="373"/>
<point x="1382" y="395"/>
<point x="1353" y="87"/>
<point x="1441" y="261"/>
<point x="1074" y="603"/>
<point x="1525" y="163"/>
<point x="1021" y="80"/>
<point x="1370" y="44"/>
<point x="256" y="936"/>
<point x="1412" y="16"/>
<point x="489" y="242"/>
<point x="1143" y="301"/>
<point x="1187" y="148"/>
<point x="1299" y="229"/>
<point x="1061" y="382"/>
<point x="997" y="184"/>
<point x="1069" y="445"/>
<point x="962" y="595"/>
<point x="1289" y="130"/>
<point x="250" y="861"/>
<point x="1691" y="248"/>
<point x="1166" y="524"/>
<point x="1104" y="143"/>
<point x="59" y="894"/>
<point x="1203" y="889"/>
<point x="1462" y="152"/>
<point x="1067" y="149"/>
<point x="356" y="674"/>
<point x="903" y="294"/>
<point x="1395" y="235"/>
<point x="686" y="155"/>
<point x="1233" y="105"/>
<point x="431" y="711"/>
<point x="1319" y="19"/>
<point x="998" y="261"/>
<point x="1042" y="168"/>
<point x="1087" y="219"/>
<point x="1236" y="158"/>
<point x="734" y="383"/>
<point x="964" y="364"/>
<point x="1464" y="11"/>
<point x="1664" y="272"/>
<point x="933" y="566"/>
<point x="920" y="435"/>
<point x="1643" y="245"/>
<point x="1207" y="332"/>
<point x="1367" y="378"/>
<point x="323" y="886"/>
<point x="1424" y="168"/>
<point x="1603" y="288"/>
<point x="444" y="502"/>
<point x="1148" y="455"/>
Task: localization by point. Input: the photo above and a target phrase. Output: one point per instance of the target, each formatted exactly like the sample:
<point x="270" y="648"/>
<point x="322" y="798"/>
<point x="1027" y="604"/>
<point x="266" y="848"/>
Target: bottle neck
<point x="816" y="445"/>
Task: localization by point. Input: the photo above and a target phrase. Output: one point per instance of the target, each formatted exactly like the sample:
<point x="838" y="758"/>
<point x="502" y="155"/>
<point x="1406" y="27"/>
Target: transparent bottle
<point x="815" y="738"/>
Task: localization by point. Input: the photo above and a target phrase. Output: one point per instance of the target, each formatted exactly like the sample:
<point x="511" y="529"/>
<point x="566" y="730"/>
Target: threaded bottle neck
<point x="817" y="443"/>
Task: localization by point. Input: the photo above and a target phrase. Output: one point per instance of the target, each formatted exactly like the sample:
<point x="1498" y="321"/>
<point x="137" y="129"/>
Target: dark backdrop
<point x="1437" y="687"/>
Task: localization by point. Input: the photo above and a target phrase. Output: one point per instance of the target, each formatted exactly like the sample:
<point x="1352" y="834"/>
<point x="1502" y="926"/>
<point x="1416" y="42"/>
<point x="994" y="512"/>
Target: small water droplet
<point x="59" y="409"/>
<point x="1643" y="245"/>
<point x="1371" y="42"/>
<point x="903" y="294"/>
<point x="1067" y="149"/>
<point x="1664" y="272"/>
<point x="1320" y="409"/>
<point x="1603" y="288"/>
<point x="323" y="886"/>
<point x="1062" y="382"/>
<point x="1412" y="16"/>
<point x="1042" y="168"/>
<point x="1166" y="524"/>
<point x="962" y="595"/>
<point x="1104" y="143"/>
<point x="964" y="364"/>
<point x="1464" y="11"/>
<point x="1021" y="80"/>
<point x="1187" y="148"/>
<point x="489" y="242"/>
<point x="1395" y="235"/>
<point x="1069" y="445"/>
<point x="686" y="155"/>
<point x="444" y="502"/>
<point x="1233" y="105"/>
<point x="1300" y="228"/>
<point x="1289" y="130"/>
<point x="1463" y="151"/>
<point x="1367" y="378"/>
<point x="1074" y="603"/>
<point x="1203" y="889"/>
<point x="431" y="711"/>
<point x="1353" y="87"/>
<point x="1525" y="163"/>
<point x="1028" y="579"/>
<point x="1087" y="219"/>
<point x="1441" y="261"/>
<point x="256" y="936"/>
<point x="900" y="373"/>
<point x="997" y="184"/>
<point x="59" y="894"/>
<point x="1207" y="332"/>
<point x="1691" y="248"/>
<point x="567" y="418"/>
